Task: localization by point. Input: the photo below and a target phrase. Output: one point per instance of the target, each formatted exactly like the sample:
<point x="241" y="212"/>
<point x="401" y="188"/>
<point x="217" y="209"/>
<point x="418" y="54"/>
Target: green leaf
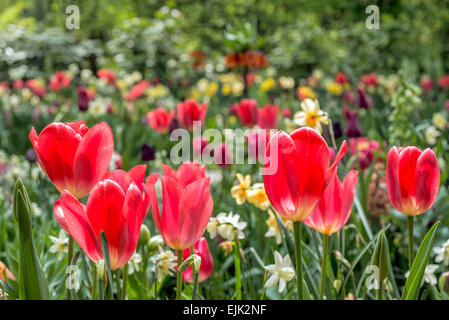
<point x="415" y="277"/>
<point x="107" y="260"/>
<point x="32" y="282"/>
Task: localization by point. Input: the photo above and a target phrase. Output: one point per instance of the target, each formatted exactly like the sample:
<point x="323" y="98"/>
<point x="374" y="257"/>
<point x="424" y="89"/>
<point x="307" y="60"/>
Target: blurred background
<point x="157" y="38"/>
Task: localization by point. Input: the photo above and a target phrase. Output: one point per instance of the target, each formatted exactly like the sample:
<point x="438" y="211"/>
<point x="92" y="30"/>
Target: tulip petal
<point x="93" y="157"/>
<point x="427" y="180"/>
<point x="150" y="189"/>
<point x="56" y="148"/>
<point x="71" y="215"/>
<point x="280" y="174"/>
<point x="105" y="212"/>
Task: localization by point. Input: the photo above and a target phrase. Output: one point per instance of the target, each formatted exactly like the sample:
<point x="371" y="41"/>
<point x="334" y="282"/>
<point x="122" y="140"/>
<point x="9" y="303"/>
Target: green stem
<point x="94" y="281"/>
<point x="298" y="256"/>
<point x="179" y="277"/>
<point x="125" y="281"/>
<point x="101" y="289"/>
<point x="379" y="292"/>
<point x="195" y="285"/>
<point x="155" y="282"/>
<point x="238" y="279"/>
<point x="410" y="242"/>
<point x="323" y="266"/>
<point x="69" y="262"/>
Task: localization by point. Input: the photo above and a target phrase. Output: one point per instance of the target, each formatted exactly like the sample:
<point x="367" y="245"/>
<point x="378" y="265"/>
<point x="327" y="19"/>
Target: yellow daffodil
<point x="226" y="89"/>
<point x="305" y="93"/>
<point x="267" y="84"/>
<point x="311" y="116"/>
<point x="334" y="88"/>
<point x="227" y="246"/>
<point x="273" y="227"/>
<point x="257" y="196"/>
<point x="239" y="192"/>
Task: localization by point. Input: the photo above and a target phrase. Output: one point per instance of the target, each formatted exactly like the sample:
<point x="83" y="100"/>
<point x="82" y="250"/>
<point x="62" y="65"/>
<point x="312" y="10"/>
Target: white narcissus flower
<point x="59" y="244"/>
<point x="281" y="272"/>
<point x="311" y="116"/>
<point x="442" y="253"/>
<point x="429" y="274"/>
<point x="133" y="264"/>
<point x="226" y="225"/>
<point x="431" y="135"/>
<point x="164" y="263"/>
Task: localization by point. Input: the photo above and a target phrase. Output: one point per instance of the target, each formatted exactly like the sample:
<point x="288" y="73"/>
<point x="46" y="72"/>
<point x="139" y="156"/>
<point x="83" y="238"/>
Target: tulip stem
<point x="379" y="291"/>
<point x="179" y="277"/>
<point x="410" y="242"/>
<point x="298" y="256"/>
<point x="324" y="265"/>
<point x="238" y="279"/>
<point x="125" y="281"/>
<point x="94" y="281"/>
<point x="195" y="285"/>
<point x="69" y="262"/>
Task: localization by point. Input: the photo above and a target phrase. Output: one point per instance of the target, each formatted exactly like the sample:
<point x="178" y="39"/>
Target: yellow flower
<point x="237" y="88"/>
<point x="273" y="227"/>
<point x="311" y="116"/>
<point x="267" y="84"/>
<point x="238" y="192"/>
<point x="257" y="196"/>
<point x="211" y="89"/>
<point x="305" y="93"/>
<point x="226" y="89"/>
<point x="334" y="88"/>
<point x="227" y="246"/>
<point x="439" y="121"/>
<point x="232" y="119"/>
<point x="287" y="82"/>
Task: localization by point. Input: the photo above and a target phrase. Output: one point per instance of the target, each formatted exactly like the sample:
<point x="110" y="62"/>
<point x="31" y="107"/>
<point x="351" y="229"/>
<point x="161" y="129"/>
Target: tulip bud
<point x="194" y="260"/>
<point x="145" y="235"/>
<point x="444" y="282"/>
<point x="154" y="243"/>
<point x="381" y="256"/>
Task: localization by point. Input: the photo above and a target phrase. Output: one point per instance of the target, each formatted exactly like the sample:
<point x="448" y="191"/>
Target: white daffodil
<point x="311" y="115"/>
<point x="429" y="274"/>
<point x="59" y="244"/>
<point x="164" y="263"/>
<point x="133" y="264"/>
<point x="431" y="135"/>
<point x="281" y="272"/>
<point x="442" y="253"/>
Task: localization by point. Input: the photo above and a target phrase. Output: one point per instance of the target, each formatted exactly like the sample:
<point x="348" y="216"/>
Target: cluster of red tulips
<point x="305" y="187"/>
<point x="76" y="160"/>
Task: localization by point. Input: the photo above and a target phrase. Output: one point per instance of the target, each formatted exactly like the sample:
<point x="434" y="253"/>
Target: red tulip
<point x="198" y="145"/>
<point x="413" y="179"/>
<point x="37" y="86"/>
<point x="191" y="111"/>
<point x="334" y="207"/>
<point x="117" y="206"/>
<point x="341" y="77"/>
<point x="137" y="90"/>
<point x="159" y="119"/>
<point x="247" y="111"/>
<point x="369" y="79"/>
<point x="296" y="171"/>
<point x="186" y="204"/>
<point x="59" y="80"/>
<point x="107" y="75"/>
<point x="443" y="81"/>
<point x="268" y="117"/>
<point x="365" y="150"/>
<point x="200" y="248"/>
<point x="222" y="155"/>
<point x="73" y="156"/>
<point x="426" y="84"/>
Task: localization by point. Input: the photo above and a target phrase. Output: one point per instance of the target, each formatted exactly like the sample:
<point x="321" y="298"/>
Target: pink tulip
<point x="200" y="248"/>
